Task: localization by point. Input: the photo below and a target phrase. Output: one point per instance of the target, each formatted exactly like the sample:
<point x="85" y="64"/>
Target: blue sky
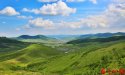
<point x="49" y="17"/>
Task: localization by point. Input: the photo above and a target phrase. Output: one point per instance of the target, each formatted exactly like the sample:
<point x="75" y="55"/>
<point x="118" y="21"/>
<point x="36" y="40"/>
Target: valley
<point x="82" y="56"/>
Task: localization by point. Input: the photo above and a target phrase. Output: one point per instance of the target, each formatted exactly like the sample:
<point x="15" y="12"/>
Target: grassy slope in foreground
<point x="42" y="59"/>
<point x="86" y="63"/>
<point x="86" y="40"/>
<point x="30" y="54"/>
<point x="8" y="46"/>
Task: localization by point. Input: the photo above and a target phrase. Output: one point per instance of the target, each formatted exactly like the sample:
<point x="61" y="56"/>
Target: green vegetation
<point x="84" y="57"/>
<point x="40" y="39"/>
<point x="10" y="45"/>
<point x="109" y="39"/>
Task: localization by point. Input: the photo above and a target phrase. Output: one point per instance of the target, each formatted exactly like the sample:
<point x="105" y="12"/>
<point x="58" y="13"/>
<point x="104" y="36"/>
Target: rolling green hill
<point x="31" y="54"/>
<point x="101" y="35"/>
<point x="86" y="40"/>
<point x="10" y="45"/>
<point x="49" y="41"/>
<point x="33" y="51"/>
<point x="36" y="38"/>
<point x="84" y="58"/>
<point x="32" y="37"/>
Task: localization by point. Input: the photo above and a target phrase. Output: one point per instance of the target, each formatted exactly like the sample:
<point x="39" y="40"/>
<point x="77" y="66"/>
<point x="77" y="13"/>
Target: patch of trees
<point x="8" y="40"/>
<point x="109" y="39"/>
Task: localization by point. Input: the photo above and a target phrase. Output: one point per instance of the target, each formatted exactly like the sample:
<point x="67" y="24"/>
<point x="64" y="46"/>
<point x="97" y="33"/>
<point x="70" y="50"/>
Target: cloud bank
<point x="93" y="1"/>
<point x="9" y="11"/>
<point x="112" y="18"/>
<point x="39" y="22"/>
<point x="59" y="8"/>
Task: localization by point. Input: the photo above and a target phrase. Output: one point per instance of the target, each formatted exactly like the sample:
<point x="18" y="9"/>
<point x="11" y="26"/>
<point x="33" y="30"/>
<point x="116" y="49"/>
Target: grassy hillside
<point x="33" y="37"/>
<point x="86" y="40"/>
<point x="32" y="52"/>
<point x="86" y="63"/>
<point x="10" y="45"/>
<point x="39" y="39"/>
<point x="84" y="58"/>
<point x="102" y="35"/>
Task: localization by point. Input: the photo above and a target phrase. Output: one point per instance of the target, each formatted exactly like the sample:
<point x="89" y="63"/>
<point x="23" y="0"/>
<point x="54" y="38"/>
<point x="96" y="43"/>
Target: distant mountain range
<point x="64" y="37"/>
<point x="8" y="44"/>
<point x="38" y="38"/>
<point x="102" y="35"/>
<point x="98" y="35"/>
<point x="34" y="37"/>
<point x="8" y="40"/>
<point x="86" y="40"/>
<point x="86" y="55"/>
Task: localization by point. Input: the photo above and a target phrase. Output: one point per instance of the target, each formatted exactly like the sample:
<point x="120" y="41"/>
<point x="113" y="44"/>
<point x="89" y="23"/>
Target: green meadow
<point x="77" y="57"/>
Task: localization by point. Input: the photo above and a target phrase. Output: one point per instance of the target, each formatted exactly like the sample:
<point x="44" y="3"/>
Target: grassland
<point x="85" y="58"/>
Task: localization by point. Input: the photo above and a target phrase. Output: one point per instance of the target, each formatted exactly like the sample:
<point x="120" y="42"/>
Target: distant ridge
<point x="86" y="40"/>
<point x="33" y="37"/>
<point x="10" y="44"/>
<point x="102" y="35"/>
<point x="8" y="40"/>
<point x="36" y="39"/>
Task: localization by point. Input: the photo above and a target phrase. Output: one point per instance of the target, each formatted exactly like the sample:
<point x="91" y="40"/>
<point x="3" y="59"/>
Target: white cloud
<point x="24" y="17"/>
<point x="95" y="21"/>
<point x="36" y="11"/>
<point x="59" y="8"/>
<point x="114" y="17"/>
<point x="98" y="21"/>
<point x="93" y="1"/>
<point x="18" y="29"/>
<point x="26" y="10"/>
<point x="116" y="14"/>
<point x="39" y="22"/>
<point x="75" y="0"/>
<point x="110" y="20"/>
<point x="47" y="0"/>
<point x="118" y="1"/>
<point x="10" y="11"/>
<point x="61" y="0"/>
